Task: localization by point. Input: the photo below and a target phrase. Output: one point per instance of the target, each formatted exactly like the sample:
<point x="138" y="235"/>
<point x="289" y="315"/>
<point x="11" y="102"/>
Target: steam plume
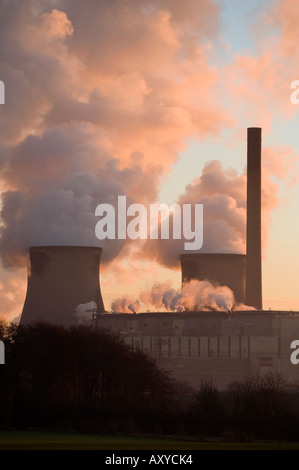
<point x="194" y="296"/>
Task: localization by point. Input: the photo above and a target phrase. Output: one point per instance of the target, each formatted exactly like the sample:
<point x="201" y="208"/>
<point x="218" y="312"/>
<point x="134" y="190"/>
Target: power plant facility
<point x="219" y="347"/>
<point x="192" y="346"/>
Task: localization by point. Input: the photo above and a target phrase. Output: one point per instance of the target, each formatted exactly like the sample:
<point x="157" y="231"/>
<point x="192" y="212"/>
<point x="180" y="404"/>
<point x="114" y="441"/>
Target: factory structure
<point x="193" y="346"/>
<point x="215" y="346"/>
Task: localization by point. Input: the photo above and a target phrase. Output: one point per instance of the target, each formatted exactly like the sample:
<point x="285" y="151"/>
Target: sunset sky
<point x="148" y="99"/>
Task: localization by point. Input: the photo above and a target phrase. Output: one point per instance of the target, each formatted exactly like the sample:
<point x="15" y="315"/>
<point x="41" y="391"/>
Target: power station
<point x="219" y="346"/>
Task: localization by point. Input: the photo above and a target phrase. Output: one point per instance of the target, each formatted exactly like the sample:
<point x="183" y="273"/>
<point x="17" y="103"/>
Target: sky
<point x="148" y="99"/>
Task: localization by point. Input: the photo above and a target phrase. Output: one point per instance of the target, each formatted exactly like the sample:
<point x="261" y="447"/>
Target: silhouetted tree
<point x="259" y="406"/>
<point x="56" y="375"/>
<point x="87" y="379"/>
<point x="209" y="415"/>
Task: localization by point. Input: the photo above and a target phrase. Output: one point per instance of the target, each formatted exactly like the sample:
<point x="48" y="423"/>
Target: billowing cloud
<point x="125" y="305"/>
<point x="95" y="118"/>
<point x="194" y="296"/>
<point x="12" y="293"/>
<point x="101" y="98"/>
<point x="223" y="195"/>
<point x="257" y="81"/>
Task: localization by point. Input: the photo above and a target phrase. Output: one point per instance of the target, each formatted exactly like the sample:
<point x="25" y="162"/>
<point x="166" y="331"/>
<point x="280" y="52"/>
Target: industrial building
<point x="218" y="346"/>
<point x="221" y="347"/>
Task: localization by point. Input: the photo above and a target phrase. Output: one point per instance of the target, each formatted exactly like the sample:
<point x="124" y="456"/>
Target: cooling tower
<point x="253" y="235"/>
<point x="59" y="279"/>
<point x="221" y="268"/>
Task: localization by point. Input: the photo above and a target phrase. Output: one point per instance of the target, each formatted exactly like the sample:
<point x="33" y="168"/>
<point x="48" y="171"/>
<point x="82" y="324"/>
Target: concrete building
<point x="218" y="346"/>
<point x="60" y="278"/>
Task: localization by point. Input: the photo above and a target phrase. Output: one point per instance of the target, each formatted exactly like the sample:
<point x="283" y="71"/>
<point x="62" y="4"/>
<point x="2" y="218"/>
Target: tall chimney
<point x="59" y="279"/>
<point x="253" y="243"/>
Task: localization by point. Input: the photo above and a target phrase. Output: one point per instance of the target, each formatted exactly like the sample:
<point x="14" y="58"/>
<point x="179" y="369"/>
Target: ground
<point x="28" y="440"/>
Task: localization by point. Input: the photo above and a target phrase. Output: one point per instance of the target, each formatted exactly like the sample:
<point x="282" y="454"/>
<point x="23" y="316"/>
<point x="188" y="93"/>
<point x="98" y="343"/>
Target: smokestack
<point x="59" y="279"/>
<point x="253" y="240"/>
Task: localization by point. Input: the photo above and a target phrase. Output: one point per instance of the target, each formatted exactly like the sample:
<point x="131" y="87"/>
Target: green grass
<point x="28" y="440"/>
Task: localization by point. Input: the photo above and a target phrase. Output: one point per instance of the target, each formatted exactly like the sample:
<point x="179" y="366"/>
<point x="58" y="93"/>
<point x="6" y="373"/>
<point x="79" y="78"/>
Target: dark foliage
<point x="87" y="380"/>
<point x="78" y="378"/>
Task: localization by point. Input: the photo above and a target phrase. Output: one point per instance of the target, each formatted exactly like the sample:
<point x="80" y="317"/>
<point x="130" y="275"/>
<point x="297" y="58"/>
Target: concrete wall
<point x="195" y="346"/>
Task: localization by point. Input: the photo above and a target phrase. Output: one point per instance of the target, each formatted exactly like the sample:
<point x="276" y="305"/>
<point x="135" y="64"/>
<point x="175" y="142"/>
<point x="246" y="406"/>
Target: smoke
<point x="223" y="195"/>
<point x="95" y="120"/>
<point x="162" y="296"/>
<point x="12" y="293"/>
<point x="258" y="80"/>
<point x="194" y="296"/>
<point x="83" y="311"/>
<point x="101" y="98"/>
<point x="124" y="305"/>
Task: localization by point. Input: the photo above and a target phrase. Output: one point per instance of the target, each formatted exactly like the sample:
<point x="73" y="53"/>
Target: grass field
<point x="27" y="440"/>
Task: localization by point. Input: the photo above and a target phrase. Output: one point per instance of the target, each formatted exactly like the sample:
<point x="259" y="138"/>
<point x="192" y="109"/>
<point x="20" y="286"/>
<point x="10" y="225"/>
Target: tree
<point x="58" y="375"/>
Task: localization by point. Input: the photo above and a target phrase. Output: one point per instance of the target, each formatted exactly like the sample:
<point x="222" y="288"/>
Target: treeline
<point x="82" y="379"/>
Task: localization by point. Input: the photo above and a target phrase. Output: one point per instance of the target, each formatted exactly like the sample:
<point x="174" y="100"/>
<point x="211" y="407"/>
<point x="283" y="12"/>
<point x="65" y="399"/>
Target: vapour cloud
<point x="194" y="296"/>
<point x="223" y="195"/>
<point x="92" y="119"/>
<point x="101" y="98"/>
<point x="125" y="305"/>
<point x="88" y="118"/>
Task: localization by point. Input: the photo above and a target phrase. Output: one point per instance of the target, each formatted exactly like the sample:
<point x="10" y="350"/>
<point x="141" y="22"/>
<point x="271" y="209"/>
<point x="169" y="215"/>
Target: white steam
<point x="125" y="305"/>
<point x="83" y="312"/>
<point x="194" y="296"/>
